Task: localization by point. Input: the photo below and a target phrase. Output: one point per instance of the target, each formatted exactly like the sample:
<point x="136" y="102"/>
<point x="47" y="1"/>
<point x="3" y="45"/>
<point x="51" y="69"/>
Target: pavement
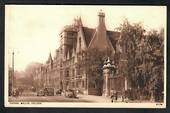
<point x="95" y="99"/>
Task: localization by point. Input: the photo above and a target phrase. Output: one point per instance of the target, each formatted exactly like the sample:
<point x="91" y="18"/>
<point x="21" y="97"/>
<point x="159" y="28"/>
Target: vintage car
<point x="59" y="92"/>
<point x="40" y="92"/>
<point x="46" y="92"/>
<point x="70" y="93"/>
<point x="49" y="91"/>
<point x="15" y="92"/>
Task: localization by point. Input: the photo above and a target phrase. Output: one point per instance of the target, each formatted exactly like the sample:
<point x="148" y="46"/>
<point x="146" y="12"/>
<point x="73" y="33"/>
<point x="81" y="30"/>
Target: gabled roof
<point x="112" y="35"/>
<point x="88" y="33"/>
<point x="49" y="59"/>
<point x="100" y="40"/>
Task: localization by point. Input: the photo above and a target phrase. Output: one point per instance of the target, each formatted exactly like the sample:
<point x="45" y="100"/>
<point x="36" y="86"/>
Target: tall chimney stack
<point x="101" y="22"/>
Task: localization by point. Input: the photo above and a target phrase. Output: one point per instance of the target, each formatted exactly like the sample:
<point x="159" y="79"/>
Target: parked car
<point x="33" y="89"/>
<point x="114" y="96"/>
<point x="15" y="92"/>
<point x="49" y="91"/>
<point x="70" y="93"/>
<point x="79" y="91"/>
<point x="40" y="93"/>
<point x="58" y="92"/>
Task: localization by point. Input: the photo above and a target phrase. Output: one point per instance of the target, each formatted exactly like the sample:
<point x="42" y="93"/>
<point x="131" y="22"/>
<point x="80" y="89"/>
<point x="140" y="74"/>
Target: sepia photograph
<point x="85" y="56"/>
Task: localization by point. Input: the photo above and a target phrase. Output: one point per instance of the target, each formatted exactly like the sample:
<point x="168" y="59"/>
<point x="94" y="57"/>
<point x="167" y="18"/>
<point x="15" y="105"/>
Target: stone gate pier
<point x="108" y="71"/>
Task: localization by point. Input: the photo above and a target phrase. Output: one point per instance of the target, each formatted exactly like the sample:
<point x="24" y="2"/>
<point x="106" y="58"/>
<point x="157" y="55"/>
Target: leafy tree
<point x="131" y="37"/>
<point x="143" y="53"/>
<point x="156" y="43"/>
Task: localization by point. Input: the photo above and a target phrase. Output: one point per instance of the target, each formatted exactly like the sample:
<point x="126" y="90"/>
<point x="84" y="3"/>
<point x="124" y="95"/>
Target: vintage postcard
<point x="85" y="56"/>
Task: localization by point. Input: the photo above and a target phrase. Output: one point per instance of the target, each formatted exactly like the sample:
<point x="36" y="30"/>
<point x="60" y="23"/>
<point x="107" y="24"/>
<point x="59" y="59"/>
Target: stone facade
<point x="62" y="71"/>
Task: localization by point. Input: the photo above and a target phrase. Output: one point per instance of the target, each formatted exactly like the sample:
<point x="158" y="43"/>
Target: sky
<point x="32" y="31"/>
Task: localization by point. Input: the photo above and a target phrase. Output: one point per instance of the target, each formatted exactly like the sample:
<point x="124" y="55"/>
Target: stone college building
<point x="63" y="71"/>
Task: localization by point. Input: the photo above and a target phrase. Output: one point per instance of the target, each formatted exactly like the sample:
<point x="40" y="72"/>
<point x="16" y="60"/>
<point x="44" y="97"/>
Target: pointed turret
<point x="101" y="22"/>
<point x="49" y="58"/>
<point x="80" y="21"/>
<point x="77" y="22"/>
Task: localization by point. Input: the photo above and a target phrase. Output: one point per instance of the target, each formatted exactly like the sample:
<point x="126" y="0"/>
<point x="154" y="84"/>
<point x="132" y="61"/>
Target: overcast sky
<point x="33" y="31"/>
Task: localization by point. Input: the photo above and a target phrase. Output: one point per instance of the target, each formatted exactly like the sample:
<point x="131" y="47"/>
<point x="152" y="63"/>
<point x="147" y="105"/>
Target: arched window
<point x="83" y="83"/>
<point x="61" y="51"/>
<point x="80" y="42"/>
<point x="67" y="73"/>
<point x="73" y="72"/>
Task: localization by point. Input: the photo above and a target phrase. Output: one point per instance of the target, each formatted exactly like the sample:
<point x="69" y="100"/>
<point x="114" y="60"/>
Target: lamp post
<point x="13" y="70"/>
<point x="12" y="80"/>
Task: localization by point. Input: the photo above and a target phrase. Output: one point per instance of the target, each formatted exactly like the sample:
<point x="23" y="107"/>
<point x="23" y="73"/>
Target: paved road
<point x="57" y="98"/>
<point x="46" y="99"/>
<point x="96" y="99"/>
<point x="31" y="96"/>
